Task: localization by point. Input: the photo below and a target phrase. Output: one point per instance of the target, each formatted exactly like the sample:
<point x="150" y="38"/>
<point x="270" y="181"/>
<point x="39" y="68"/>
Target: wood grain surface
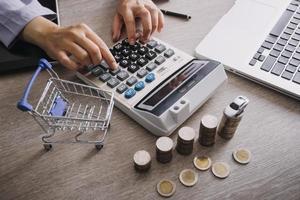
<point x="270" y="129"/>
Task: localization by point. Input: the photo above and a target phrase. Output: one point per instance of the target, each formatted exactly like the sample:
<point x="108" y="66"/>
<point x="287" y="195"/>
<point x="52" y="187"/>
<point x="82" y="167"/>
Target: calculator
<point x="156" y="84"/>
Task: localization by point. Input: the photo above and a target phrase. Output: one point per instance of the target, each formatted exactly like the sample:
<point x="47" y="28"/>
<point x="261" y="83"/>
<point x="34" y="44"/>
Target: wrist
<point x="37" y="29"/>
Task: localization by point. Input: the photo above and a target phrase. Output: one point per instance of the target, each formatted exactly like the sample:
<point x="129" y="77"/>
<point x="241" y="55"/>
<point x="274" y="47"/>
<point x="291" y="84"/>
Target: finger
<point x="106" y="54"/>
<point x="161" y="21"/>
<point x="78" y="52"/>
<point x="117" y="26"/>
<point x="146" y="23"/>
<point x="154" y="18"/>
<point x="62" y="57"/>
<point x="92" y="49"/>
<point x="129" y="20"/>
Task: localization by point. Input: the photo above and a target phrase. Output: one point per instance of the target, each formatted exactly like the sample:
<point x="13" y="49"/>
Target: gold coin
<point x="242" y="156"/>
<point x="166" y="188"/>
<point x="202" y="162"/>
<point x="220" y="169"/>
<point x="188" y="177"/>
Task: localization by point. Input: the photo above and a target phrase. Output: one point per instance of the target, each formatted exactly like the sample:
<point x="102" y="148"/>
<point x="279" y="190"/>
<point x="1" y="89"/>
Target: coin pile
<point x="188" y="177"/>
<point x="142" y="161"/>
<point x="228" y="126"/>
<point x="164" y="147"/>
<point x="208" y="128"/>
<point x="242" y="156"/>
<point x="202" y="162"/>
<point x="185" y="140"/>
<point x="166" y="188"/>
<point x="221" y="169"/>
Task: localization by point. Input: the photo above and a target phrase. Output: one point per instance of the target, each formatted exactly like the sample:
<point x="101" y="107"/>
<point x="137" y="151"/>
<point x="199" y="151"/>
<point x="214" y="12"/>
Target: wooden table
<point x="270" y="129"/>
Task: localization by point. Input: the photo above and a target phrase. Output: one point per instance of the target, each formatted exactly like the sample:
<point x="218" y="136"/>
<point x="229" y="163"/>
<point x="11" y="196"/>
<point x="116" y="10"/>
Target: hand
<point x="60" y="43"/>
<point x="151" y="17"/>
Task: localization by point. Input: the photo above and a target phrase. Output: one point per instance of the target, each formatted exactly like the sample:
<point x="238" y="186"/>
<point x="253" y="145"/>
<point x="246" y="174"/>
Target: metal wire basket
<point x="68" y="107"/>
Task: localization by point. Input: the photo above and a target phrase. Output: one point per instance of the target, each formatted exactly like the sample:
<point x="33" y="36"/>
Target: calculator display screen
<point x="171" y="86"/>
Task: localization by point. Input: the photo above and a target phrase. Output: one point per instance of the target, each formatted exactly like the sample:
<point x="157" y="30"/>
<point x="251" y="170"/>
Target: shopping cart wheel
<point x="47" y="147"/>
<point x="99" y="146"/>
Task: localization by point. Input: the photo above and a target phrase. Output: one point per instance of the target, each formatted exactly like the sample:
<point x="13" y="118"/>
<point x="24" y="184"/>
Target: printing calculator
<point x="156" y="84"/>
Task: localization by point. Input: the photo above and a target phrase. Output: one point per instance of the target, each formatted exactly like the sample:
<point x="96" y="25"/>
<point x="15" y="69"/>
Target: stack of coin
<point x="142" y="161"/>
<point x="228" y="126"/>
<point x="164" y="147"/>
<point x="166" y="188"/>
<point x="185" y="140"/>
<point x="208" y="128"/>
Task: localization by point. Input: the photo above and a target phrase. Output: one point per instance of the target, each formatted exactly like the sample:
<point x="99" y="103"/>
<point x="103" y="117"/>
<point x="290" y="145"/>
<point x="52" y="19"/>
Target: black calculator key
<point x="151" y="66"/>
<point x="141" y="73"/>
<point x="150" y="55"/>
<point x="126" y="52"/>
<point x="118" y="47"/>
<point x="132" y="80"/>
<point x="105" y="77"/>
<point x="135" y="46"/>
<point x="118" y="57"/>
<point x="122" y="88"/>
<point x="122" y="75"/>
<point x="133" y="57"/>
<point x="169" y="53"/>
<point x="160" y="48"/>
<point x="113" y="82"/>
<point x="98" y="71"/>
<point x="113" y="52"/>
<point x="115" y="71"/>
<point x="142" y="50"/>
<point x="151" y="44"/>
<point x="125" y="42"/>
<point x="104" y="65"/>
<point x="159" y="60"/>
<point x="124" y="63"/>
<point x="132" y="68"/>
<point x="90" y="67"/>
<point x="142" y="61"/>
<point x="287" y="75"/>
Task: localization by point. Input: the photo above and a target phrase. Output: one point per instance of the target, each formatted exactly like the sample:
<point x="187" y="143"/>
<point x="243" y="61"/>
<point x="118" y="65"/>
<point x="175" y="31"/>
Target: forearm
<point x="16" y="14"/>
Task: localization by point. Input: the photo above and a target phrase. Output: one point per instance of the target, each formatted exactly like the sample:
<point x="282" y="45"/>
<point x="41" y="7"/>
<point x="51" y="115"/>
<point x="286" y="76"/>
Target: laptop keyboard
<point x="136" y="65"/>
<point x="282" y="46"/>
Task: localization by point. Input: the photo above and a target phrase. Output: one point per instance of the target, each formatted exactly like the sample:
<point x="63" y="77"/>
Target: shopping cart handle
<point x="23" y="103"/>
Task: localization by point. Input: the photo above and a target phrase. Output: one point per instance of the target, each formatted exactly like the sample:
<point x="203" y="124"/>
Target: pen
<point x="174" y="14"/>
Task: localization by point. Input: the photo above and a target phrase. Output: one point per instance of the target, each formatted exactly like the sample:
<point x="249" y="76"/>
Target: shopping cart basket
<point x="68" y="107"/>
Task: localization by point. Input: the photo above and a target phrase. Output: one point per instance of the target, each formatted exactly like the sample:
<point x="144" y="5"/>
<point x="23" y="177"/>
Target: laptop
<point x="22" y="54"/>
<point x="259" y="40"/>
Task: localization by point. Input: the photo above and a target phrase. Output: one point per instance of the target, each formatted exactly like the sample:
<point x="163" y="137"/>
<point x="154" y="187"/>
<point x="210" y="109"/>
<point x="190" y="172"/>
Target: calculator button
<point x="169" y="53"/>
<point x="142" y="62"/>
<point x="133" y="68"/>
<point x="118" y="47"/>
<point x="142" y="50"/>
<point x="125" y="42"/>
<point x="151" y="44"/>
<point x="133" y="57"/>
<point x="141" y="73"/>
<point x="150" y="55"/>
<point x="126" y="52"/>
<point x="160" y="48"/>
<point x="113" y="82"/>
<point x="150" y="77"/>
<point x="122" y="88"/>
<point x="132" y="80"/>
<point x="113" y="52"/>
<point x="104" y="65"/>
<point x="134" y="46"/>
<point x="151" y="66"/>
<point x="130" y="93"/>
<point x="98" y="71"/>
<point x="105" y="77"/>
<point x="118" y="57"/>
<point x="159" y="60"/>
<point x="139" y="86"/>
<point x="124" y="63"/>
<point x="122" y="75"/>
<point x="114" y="72"/>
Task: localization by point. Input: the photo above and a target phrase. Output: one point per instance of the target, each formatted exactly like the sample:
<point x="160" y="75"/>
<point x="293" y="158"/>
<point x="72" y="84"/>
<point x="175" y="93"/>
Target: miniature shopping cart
<point x="68" y="108"/>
